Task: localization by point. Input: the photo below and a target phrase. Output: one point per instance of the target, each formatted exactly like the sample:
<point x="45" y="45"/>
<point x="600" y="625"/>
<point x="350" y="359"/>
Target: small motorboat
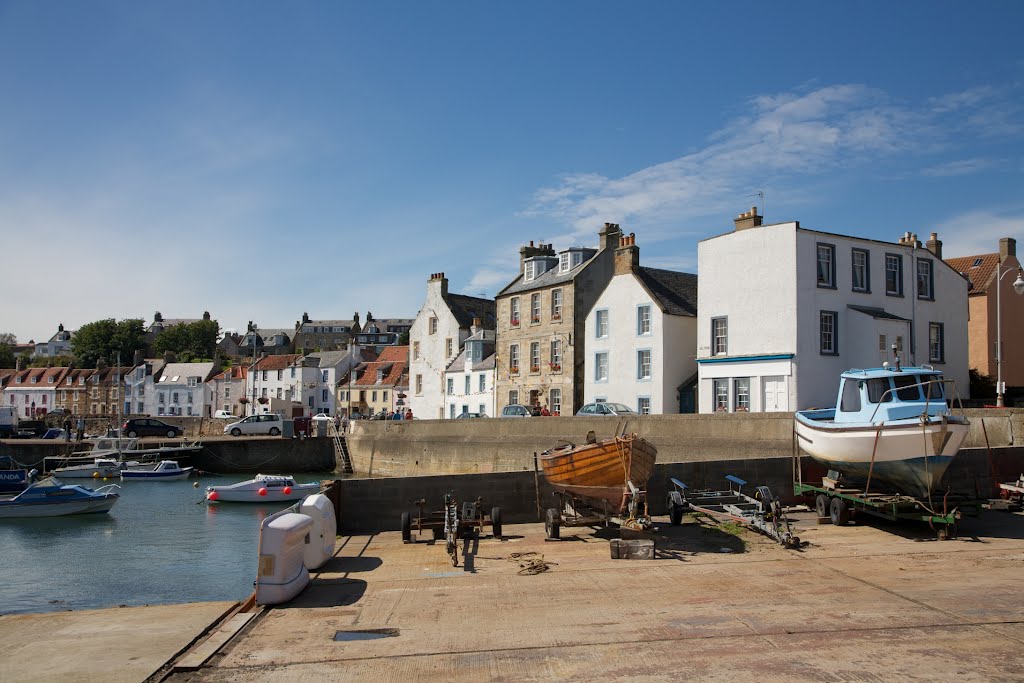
<point x="13" y="477"/>
<point x="100" y="468"/>
<point x="165" y="470"/>
<point x="890" y="426"/>
<point x="265" y="488"/>
<point x="50" y="498"/>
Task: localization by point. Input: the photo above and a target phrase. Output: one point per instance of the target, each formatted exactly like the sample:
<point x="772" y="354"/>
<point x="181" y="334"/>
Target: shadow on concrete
<point x="988" y="524"/>
<point x="345" y="565"/>
<point x="703" y="535"/>
<point x="335" y="592"/>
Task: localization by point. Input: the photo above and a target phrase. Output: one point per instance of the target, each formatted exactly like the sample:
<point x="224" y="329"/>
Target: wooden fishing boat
<point x="600" y="472"/>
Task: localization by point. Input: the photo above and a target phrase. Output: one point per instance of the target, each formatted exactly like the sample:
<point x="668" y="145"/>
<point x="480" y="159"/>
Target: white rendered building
<point x="642" y="337"/>
<point x="436" y="338"/>
<point x="469" y="380"/>
<point x="783" y="310"/>
<point x="180" y="390"/>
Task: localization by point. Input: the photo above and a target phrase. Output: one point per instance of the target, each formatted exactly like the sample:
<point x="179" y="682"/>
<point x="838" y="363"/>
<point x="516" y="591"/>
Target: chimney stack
<point x="1007" y="247"/>
<point x="609" y="236"/>
<point x="747" y="220"/>
<point x="934" y="245"/>
<point x="440" y="278"/>
<point x="475" y="327"/>
<point x="627" y="256"/>
<point x="138" y="358"/>
<point x="19" y="363"/>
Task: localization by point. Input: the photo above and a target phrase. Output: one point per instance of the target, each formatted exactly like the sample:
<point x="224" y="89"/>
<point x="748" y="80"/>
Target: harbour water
<point x="161" y="543"/>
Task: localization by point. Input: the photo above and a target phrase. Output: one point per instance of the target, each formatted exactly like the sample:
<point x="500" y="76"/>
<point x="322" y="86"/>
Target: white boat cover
<point x="325" y="529"/>
<point x="282" y="574"/>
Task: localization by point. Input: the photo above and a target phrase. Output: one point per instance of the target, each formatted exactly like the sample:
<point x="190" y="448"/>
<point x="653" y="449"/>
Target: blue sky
<point x="261" y="159"/>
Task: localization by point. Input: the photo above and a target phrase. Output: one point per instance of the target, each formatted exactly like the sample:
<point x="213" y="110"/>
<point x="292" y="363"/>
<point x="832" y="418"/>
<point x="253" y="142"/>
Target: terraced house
<point x="541" y="345"/>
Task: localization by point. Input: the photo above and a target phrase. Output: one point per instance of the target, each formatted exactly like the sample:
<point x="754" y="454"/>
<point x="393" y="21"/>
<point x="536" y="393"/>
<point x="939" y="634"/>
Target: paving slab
<point x="861" y="603"/>
<point x="111" y="645"/>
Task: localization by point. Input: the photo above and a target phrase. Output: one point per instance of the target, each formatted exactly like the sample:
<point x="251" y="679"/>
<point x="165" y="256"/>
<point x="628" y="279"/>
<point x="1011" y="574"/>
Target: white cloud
<point x="961" y="167"/>
<point x="979" y="232"/>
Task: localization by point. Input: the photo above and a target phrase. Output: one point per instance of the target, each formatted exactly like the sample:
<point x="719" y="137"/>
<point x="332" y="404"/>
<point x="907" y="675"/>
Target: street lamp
<point x="1018" y="286"/>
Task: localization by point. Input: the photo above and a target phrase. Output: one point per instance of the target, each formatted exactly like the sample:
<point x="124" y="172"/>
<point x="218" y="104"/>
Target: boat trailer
<point x="1011" y="495"/>
<point x="576" y="512"/>
<point x="762" y="511"/>
<point x="456" y="521"/>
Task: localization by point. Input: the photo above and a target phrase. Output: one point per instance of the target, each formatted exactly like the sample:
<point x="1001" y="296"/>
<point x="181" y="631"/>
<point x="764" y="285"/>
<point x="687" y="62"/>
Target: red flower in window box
<point x="514" y="369"/>
<point x="534" y="368"/>
<point x="515" y="321"/>
<point x="536" y="319"/>
<point x="556" y="316"/>
<point x="243" y="400"/>
<point x="263" y="400"/>
<point x="555" y="366"/>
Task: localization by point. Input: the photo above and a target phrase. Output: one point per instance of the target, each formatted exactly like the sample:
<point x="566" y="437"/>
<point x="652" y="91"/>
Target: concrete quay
<point x="860" y="603"/>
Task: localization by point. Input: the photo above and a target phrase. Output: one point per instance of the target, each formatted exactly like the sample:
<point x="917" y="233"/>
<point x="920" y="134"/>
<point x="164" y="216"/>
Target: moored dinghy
<point x="165" y="470"/>
<point x="890" y="425"/>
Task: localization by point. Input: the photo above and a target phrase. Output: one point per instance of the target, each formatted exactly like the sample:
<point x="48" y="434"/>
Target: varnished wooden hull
<point x="598" y="472"/>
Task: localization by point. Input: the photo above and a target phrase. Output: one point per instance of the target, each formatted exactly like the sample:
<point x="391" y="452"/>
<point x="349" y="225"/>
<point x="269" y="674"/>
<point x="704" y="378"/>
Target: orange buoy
<point x="212" y="495"/>
<point x="287" y="490"/>
<point x="263" y="491"/>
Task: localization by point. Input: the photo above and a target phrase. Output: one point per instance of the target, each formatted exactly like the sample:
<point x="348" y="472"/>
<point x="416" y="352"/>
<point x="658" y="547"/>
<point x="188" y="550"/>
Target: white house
<point x="331" y="366"/>
<point x="58" y="345"/>
<point x="139" y="384"/>
<point x="469" y="380"/>
<point x="180" y="390"/>
<point x="32" y="392"/>
<point x="783" y="310"/>
<point x="226" y="388"/>
<point x="436" y="338"/>
<point x="642" y="337"/>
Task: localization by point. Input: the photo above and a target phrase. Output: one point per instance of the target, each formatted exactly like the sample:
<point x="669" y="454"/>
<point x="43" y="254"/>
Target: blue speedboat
<point x="890" y="426"/>
<point x="49" y="498"/>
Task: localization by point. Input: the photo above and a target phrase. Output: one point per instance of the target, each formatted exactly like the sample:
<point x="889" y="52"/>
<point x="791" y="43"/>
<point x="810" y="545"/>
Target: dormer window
<point x="50" y="380"/>
<point x="380" y="376"/>
<point x="81" y="381"/>
<point x="35" y="380"/>
<point x="17" y="380"/>
<point x="69" y="381"/>
<point x="530" y="270"/>
<point x="563" y="262"/>
<point x="977" y="262"/>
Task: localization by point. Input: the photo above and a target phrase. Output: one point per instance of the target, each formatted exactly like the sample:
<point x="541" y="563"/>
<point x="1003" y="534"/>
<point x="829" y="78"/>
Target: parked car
<point x="606" y="409"/>
<point x="515" y="410"/>
<point x="147" y="426"/>
<point x="267" y="423"/>
<point x="224" y="415"/>
<point x="464" y="416"/>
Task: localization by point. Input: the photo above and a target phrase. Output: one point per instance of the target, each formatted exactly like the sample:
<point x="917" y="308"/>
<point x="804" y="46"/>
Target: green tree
<point x="7" y="342"/>
<point x="106" y="339"/>
<point x="189" y="341"/>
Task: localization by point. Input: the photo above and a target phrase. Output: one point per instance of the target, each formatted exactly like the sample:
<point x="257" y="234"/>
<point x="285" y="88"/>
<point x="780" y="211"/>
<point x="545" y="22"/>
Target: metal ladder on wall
<point x="341" y="451"/>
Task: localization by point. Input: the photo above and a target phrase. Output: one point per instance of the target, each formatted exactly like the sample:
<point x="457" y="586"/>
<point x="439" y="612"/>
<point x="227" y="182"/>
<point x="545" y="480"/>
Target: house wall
<point x="672" y="343"/>
<point x="746" y="277"/>
<point x="475" y="401"/>
<point x="983" y="328"/>
<point x="433" y="360"/>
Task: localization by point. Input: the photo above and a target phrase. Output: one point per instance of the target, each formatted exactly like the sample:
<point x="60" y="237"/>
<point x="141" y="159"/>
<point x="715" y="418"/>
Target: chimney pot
<point x="747" y="220"/>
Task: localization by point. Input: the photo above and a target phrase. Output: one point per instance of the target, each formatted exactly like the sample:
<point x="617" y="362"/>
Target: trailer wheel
<point x="675" y="514"/>
<point x="496" y="522"/>
<point x="406" y="528"/>
<point x="821" y="505"/>
<point x="552" y="523"/>
<point x="839" y="511"/>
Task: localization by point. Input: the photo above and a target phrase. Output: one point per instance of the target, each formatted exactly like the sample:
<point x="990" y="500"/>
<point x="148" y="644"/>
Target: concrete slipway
<point x="861" y="603"/>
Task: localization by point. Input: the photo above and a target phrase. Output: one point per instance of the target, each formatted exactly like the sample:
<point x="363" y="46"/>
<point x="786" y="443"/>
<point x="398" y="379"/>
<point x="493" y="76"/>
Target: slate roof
<point x="182" y="371"/>
<point x="980" y="276"/>
<point x="277" y="362"/>
<point x="458" y="363"/>
<point x="465" y="308"/>
<point x="876" y="313"/>
<point x="328" y="359"/>
<point x="675" y="292"/>
<point x="547" y="278"/>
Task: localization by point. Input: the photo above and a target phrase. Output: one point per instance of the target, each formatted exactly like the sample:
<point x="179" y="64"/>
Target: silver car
<point x="606" y="409"/>
<point x="268" y="423"/>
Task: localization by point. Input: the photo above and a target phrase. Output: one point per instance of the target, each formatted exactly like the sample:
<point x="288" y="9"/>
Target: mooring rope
<point x="530" y="563"/>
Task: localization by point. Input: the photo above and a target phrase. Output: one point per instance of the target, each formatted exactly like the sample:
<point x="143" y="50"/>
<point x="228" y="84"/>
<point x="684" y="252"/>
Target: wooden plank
<point x="198" y="656"/>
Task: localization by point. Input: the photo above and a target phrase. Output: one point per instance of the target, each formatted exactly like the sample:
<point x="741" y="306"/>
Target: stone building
<point x="541" y="345"/>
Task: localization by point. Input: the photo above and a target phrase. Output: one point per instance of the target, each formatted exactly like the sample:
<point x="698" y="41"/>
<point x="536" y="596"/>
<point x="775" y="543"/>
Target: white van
<point x="224" y="415"/>
<point x="268" y="423"/>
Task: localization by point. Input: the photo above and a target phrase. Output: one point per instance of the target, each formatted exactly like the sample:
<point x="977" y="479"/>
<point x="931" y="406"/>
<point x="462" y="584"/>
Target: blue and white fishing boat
<point x="891" y="426"/>
<point x="49" y="498"/>
<point x="165" y="470"/>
